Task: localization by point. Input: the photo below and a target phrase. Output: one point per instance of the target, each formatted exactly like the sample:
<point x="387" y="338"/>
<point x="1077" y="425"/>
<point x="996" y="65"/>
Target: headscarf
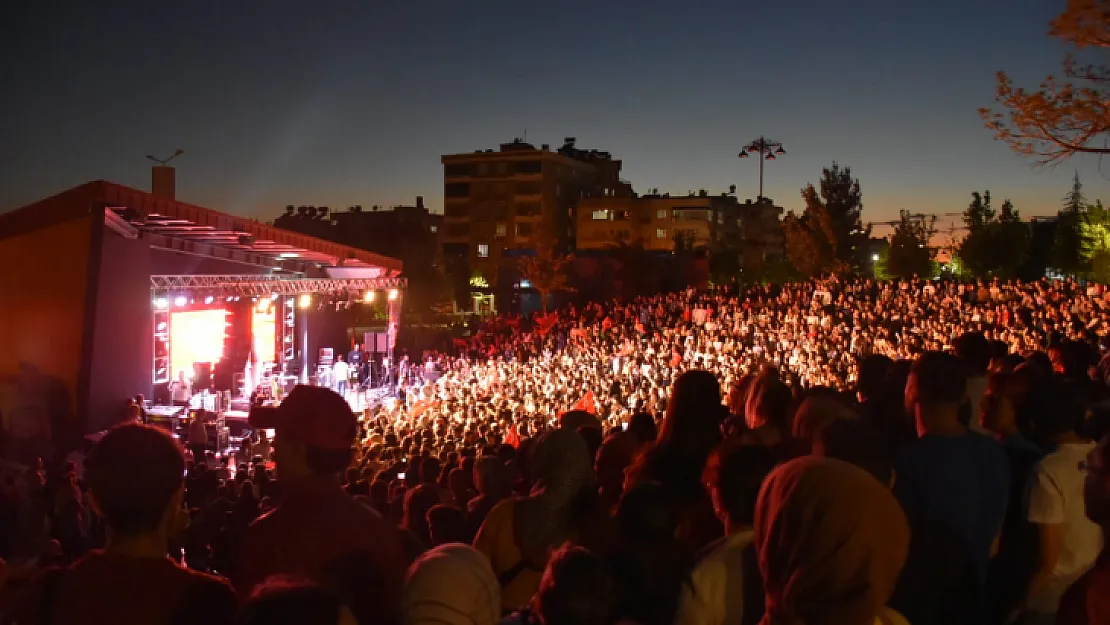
<point x="831" y="542"/>
<point x="453" y="584"/>
<point x="562" y="468"/>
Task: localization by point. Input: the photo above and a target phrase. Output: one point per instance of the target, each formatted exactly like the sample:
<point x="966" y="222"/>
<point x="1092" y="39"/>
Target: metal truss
<point x="260" y="285"/>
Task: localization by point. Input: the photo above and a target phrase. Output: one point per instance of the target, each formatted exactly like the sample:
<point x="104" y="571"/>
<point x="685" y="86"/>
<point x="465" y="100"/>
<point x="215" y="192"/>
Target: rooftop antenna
<point x="164" y="161"/>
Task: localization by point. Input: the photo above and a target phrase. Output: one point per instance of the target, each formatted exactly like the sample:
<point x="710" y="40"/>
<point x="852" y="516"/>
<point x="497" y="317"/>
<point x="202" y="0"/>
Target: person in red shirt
<point x="318" y="532"/>
<point x="1087" y="601"/>
<point x="135" y="475"/>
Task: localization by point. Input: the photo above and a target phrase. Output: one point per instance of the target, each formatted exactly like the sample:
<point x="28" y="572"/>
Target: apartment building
<point x="500" y="202"/>
<point x="697" y="221"/>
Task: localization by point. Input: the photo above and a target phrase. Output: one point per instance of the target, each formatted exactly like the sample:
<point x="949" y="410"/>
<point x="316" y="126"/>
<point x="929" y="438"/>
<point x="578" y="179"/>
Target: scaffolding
<point x="263" y="285"/>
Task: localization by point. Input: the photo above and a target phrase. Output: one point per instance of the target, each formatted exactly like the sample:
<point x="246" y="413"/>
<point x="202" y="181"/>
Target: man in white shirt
<point x="1069" y="541"/>
<point x="340" y="374"/>
<point x="725" y="582"/>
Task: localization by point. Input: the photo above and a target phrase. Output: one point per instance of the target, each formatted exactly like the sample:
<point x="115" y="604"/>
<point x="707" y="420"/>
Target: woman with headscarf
<point x="831" y="542"/>
<point x="518" y="535"/>
<point x="451" y="584"/>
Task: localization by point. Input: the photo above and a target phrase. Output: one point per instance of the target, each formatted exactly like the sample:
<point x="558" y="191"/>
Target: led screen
<point x="196" y="336"/>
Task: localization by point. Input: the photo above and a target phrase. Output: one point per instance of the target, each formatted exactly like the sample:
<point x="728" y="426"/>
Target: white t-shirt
<point x="339" y="371"/>
<point x="1056" y="497"/>
<point x="715" y="594"/>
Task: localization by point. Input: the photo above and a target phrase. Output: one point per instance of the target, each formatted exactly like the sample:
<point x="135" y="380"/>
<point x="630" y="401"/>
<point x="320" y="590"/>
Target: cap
<point x="314" y="415"/>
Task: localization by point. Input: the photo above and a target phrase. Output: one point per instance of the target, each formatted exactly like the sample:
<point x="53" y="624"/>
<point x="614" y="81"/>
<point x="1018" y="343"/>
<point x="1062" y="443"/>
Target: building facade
<point x="500" y="203"/>
<point x="666" y="223"/>
<point x="408" y="233"/>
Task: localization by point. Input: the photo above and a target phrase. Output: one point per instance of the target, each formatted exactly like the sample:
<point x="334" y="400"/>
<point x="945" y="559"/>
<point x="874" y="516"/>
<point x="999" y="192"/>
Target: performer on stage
<point x="180" y="390"/>
<point x="340" y="374"/>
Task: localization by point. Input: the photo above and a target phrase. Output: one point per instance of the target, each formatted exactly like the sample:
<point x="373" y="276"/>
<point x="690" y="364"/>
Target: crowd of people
<point x="833" y="452"/>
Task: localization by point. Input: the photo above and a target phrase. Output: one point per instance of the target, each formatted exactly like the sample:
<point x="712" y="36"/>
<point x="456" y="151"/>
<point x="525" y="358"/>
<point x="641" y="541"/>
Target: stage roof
<point x="148" y="213"/>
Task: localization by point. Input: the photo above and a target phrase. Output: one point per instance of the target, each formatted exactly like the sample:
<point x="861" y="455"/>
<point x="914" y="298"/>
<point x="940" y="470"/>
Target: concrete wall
<point x="122" y="342"/>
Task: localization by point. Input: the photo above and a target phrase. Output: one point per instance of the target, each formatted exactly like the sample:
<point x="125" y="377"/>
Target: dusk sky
<point x="293" y="102"/>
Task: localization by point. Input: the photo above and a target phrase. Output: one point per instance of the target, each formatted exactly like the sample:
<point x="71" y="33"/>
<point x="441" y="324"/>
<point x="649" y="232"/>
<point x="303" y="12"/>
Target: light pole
<point x="768" y="150"/>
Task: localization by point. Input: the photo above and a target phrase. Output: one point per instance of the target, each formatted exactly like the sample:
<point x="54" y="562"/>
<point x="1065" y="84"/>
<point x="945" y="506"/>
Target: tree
<point x="1068" y="244"/>
<point x="997" y="242"/>
<point x="1061" y="118"/>
<point x="829" y="236"/>
<point x="1094" y="228"/>
<point x="910" y="253"/>
<point x="546" y="271"/>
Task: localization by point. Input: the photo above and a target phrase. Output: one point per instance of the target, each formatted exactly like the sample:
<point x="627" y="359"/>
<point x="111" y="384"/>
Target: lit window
<point x="435" y="228"/>
<point x="483" y="250"/>
<point x="601" y="215"/>
<point x="660" y="233"/>
<point x="661" y="213"/>
<point x="501" y="230"/>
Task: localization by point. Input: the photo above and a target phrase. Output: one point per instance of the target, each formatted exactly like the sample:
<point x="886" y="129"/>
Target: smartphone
<point x="401" y="475"/>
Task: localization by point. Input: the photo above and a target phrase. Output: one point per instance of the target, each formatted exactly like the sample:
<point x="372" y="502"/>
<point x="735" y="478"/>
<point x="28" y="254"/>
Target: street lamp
<point x="768" y="150"/>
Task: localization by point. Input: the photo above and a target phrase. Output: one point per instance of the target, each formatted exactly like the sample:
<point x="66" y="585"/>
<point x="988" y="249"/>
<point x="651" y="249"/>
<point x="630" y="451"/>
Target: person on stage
<point x="180" y="390"/>
<point x="340" y="374"/>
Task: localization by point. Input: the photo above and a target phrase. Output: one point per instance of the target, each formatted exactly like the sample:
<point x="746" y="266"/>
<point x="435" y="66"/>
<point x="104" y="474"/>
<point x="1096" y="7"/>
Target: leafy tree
<point x="910" y="253"/>
<point x="829" y="236"/>
<point x="1094" y="228"/>
<point x="1068" y="244"/>
<point x="546" y="271"/>
<point x="997" y="242"/>
<point x="1063" y="117"/>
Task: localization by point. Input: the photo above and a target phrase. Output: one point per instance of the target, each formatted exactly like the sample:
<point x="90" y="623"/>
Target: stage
<point x="131" y="290"/>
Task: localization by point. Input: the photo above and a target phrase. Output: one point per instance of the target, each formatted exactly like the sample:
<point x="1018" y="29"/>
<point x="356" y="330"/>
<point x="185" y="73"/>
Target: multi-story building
<point x="410" y="233"/>
<point x="663" y="223"/>
<point x="499" y="202"/>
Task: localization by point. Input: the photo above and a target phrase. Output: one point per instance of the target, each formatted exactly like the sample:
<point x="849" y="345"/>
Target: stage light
<point x="208" y="300"/>
<point x="368" y="297"/>
<point x="180" y="301"/>
<point x="161" y="303"/>
<point x="393" y="294"/>
<point x="305" y="301"/>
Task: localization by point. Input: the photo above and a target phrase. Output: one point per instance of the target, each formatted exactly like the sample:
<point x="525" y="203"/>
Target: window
<point x="527" y="188"/>
<point x="458" y="230"/>
<point x="457" y="189"/>
<point x="528" y="167"/>
<point x="456" y="209"/>
<point x="483" y="169"/>
<point x="661" y="233"/>
<point x="501" y="230"/>
<point x="434" y="228"/>
<point x="483" y="250"/>
<point x="525" y="209"/>
<point x="457" y="170"/>
<point x="661" y="213"/>
<point x="601" y="215"/>
<point x="524" y="230"/>
<point x="500" y="168"/>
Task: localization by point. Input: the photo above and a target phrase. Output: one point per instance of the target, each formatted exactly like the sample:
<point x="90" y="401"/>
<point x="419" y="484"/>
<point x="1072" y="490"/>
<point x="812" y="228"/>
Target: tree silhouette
<point x="997" y="242"/>
<point x="1063" y="117"/>
<point x="910" y="253"/>
<point x="546" y="271"/>
<point x="829" y="236"/>
<point x="1067" y="245"/>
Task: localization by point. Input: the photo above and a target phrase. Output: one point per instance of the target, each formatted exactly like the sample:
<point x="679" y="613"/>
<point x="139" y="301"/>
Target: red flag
<point x="587" y="403"/>
<point x="512" y="438"/>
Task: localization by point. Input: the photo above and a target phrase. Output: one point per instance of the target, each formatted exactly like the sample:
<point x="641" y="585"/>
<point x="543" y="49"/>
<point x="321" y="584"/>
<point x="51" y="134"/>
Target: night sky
<point x="298" y="102"/>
